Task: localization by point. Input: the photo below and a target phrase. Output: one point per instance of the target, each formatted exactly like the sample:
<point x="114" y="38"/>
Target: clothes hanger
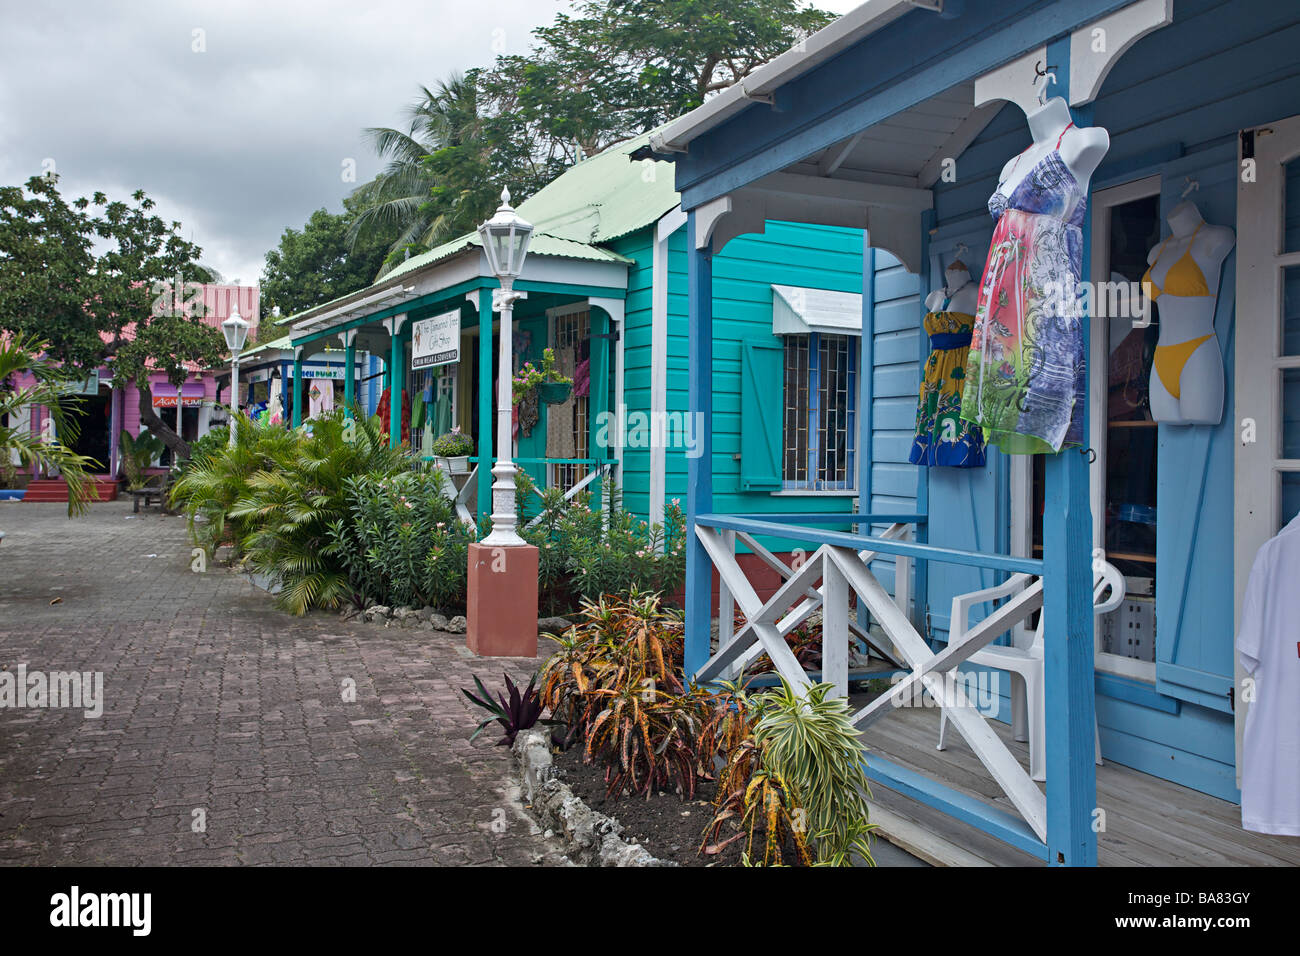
<point x="1048" y="78"/>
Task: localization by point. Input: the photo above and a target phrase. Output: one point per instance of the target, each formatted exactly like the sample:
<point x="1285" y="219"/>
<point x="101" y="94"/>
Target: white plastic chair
<point x="1023" y="659"/>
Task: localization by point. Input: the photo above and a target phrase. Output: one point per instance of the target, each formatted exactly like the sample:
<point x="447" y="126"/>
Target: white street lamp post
<point x="505" y="240"/>
<point x="235" y="330"/>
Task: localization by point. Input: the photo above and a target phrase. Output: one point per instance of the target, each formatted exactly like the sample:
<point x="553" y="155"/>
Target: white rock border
<point x="590" y="837"/>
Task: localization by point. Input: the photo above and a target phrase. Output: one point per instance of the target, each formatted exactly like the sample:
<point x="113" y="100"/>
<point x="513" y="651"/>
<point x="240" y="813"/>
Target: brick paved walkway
<point x="215" y="700"/>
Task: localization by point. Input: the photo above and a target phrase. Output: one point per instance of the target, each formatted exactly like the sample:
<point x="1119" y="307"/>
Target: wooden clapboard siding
<point x="1173" y="105"/>
<point x="786" y="254"/>
<point x="638" y="321"/>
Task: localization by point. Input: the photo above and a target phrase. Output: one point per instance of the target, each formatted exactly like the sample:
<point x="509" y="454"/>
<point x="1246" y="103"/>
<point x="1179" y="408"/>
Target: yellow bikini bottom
<point x="1170" y="359"/>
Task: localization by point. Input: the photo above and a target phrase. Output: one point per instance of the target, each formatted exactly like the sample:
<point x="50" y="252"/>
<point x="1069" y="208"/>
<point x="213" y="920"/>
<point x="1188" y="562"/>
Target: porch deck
<point x="1149" y="821"/>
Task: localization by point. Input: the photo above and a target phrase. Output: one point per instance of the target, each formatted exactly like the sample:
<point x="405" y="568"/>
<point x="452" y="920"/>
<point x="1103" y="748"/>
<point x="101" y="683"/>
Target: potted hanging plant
<point x="552" y="387"/>
<point x="451" y="452"/>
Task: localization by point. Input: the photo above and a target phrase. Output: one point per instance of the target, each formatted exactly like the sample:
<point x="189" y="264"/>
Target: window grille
<point x="820" y="412"/>
<point x="573" y="331"/>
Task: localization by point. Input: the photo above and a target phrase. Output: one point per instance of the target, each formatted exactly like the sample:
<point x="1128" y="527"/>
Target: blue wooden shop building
<point x="898" y="119"/>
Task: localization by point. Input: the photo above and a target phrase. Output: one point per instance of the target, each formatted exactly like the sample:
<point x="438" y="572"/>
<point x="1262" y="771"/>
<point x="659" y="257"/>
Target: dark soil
<point x="668" y="826"/>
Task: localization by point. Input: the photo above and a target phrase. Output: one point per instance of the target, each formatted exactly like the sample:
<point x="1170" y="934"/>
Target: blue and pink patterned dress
<point x="1026" y="373"/>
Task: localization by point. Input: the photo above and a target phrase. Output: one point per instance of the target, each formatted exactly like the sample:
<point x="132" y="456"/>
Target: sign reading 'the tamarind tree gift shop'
<point x="436" y="340"/>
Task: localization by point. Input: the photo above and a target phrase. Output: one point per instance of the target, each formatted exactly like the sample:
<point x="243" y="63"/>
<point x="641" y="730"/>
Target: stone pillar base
<point x="501" y="607"/>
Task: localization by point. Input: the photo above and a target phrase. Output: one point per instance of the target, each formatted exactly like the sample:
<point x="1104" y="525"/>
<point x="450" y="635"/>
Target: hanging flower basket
<point x="554" y="393"/>
<point x="451" y="452"/>
<point x="546" y="382"/>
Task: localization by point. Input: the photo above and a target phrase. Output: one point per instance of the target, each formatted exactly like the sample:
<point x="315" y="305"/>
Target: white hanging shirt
<point x="1269" y="647"/>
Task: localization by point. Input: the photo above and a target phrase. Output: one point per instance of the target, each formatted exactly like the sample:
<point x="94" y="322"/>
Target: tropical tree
<point x="104" y="283"/>
<point x="611" y="70"/>
<point x="443" y="126"/>
<point x="44" y="447"/>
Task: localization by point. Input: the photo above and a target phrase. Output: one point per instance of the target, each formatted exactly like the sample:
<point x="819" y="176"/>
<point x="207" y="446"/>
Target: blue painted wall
<point x="1173" y="106"/>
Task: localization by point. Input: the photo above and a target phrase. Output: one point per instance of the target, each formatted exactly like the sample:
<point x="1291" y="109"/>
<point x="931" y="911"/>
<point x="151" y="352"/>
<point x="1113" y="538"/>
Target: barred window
<point x="820" y="412"/>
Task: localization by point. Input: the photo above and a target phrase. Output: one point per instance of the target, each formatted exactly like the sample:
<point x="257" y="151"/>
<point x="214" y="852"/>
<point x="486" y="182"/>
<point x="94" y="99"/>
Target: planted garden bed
<point x="666" y="825"/>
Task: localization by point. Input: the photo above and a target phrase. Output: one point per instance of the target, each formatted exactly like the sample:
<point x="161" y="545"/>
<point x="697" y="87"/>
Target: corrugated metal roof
<point x="604" y="197"/>
<point x="542" y="244"/>
<point x="595" y="201"/>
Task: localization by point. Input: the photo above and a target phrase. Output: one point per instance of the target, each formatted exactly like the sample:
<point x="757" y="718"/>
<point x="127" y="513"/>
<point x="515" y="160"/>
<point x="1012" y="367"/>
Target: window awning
<point x="797" y="311"/>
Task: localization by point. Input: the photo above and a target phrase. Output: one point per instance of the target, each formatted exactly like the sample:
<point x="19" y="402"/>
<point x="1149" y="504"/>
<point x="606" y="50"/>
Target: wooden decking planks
<point x="1149" y="821"/>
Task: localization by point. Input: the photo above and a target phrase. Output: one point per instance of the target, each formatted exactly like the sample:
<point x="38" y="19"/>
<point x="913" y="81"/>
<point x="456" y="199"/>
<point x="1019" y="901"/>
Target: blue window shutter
<point x="762" y="367"/>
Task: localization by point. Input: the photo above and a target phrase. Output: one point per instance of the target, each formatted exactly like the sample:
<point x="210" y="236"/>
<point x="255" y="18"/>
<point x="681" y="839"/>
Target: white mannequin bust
<point x="958" y="287"/>
<point x="1184" y="319"/>
<point x="1082" y="150"/>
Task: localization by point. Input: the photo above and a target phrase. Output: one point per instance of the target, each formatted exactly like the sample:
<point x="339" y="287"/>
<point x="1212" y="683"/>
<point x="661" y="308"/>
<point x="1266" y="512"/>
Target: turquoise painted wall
<point x="1173" y="106"/>
<point x="819" y="257"/>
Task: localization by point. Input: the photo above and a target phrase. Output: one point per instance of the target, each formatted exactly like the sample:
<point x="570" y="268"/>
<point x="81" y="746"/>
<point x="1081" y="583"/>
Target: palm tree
<point x="48" y="390"/>
<point x="399" y="197"/>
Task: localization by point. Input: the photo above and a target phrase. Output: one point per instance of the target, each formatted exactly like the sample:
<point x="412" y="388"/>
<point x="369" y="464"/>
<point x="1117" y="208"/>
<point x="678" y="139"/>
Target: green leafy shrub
<point x="585" y="553"/>
<point x="400" y="541"/>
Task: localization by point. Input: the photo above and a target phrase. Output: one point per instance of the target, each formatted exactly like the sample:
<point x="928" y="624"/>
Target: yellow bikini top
<point x="1184" y="278"/>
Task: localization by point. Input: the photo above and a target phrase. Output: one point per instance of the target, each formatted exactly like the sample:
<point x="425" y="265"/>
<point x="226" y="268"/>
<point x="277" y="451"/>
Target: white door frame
<point x="1258" y="362"/>
<point x="1100" y="204"/>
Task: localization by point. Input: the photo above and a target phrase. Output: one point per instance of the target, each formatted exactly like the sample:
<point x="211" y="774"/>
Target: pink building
<point x="109" y="406"/>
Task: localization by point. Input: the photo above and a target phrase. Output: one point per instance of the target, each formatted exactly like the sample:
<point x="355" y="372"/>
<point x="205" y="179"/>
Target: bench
<point x="151" y="493"/>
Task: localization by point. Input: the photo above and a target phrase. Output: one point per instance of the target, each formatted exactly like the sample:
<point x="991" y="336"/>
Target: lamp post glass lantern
<point x="505" y="241"/>
<point x="235" y="329"/>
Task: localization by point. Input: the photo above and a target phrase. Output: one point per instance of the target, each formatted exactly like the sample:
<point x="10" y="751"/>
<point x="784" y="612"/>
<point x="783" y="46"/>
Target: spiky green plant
<point x="288" y="510"/>
<point x="211" y="485"/>
<point x="138" y="453"/>
<point x="810" y="741"/>
<point x="20" y="355"/>
<point x="276" y="494"/>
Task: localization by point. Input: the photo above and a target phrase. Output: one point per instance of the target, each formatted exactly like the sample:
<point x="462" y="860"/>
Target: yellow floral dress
<point x="942" y="436"/>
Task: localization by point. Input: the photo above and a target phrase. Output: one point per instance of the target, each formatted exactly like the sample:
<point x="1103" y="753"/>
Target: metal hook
<point x="1091" y="453"/>
<point x="1192" y="184"/>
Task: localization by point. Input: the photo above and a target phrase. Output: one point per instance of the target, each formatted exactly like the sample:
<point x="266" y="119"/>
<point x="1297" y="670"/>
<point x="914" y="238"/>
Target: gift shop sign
<point x="436" y="340"/>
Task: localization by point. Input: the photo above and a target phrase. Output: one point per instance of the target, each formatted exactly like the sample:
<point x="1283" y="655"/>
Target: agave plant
<point x="513" y="710"/>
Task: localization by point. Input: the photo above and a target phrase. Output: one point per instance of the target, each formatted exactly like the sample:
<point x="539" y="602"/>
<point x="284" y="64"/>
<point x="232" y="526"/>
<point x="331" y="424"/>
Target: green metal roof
<point x="594" y="201"/>
<point x="604" y="197"/>
<point x="542" y="244"/>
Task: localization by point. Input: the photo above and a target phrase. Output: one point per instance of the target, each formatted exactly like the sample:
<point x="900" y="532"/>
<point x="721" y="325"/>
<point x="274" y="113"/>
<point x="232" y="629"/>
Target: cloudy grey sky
<point x="236" y="116"/>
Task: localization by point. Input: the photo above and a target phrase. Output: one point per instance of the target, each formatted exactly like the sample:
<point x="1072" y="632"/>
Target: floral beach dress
<point x="942" y="438"/>
<point x="1026" y="374"/>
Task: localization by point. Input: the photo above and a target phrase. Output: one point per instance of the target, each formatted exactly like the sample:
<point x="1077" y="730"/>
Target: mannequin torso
<point x="960" y="291"/>
<point x="1187" y="381"/>
<point x="1081" y="150"/>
